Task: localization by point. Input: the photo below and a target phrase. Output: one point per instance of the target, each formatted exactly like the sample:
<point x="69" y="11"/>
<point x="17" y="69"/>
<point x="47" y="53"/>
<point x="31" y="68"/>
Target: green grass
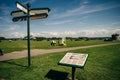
<point x="18" y="45"/>
<point x="7" y="46"/>
<point x="103" y="64"/>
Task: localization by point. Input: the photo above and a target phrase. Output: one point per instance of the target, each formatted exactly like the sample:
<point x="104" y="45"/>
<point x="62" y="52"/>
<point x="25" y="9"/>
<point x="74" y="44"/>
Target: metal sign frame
<point x="74" y="60"/>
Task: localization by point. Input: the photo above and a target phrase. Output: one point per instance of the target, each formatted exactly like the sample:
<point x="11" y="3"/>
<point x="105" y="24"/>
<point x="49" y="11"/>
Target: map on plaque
<point x="73" y="60"/>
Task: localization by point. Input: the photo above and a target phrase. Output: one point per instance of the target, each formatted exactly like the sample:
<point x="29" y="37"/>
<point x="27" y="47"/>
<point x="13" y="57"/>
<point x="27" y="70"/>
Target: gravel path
<point x="34" y="52"/>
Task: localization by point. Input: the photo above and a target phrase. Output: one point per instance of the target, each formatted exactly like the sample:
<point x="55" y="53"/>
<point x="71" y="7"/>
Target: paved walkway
<point x="34" y="52"/>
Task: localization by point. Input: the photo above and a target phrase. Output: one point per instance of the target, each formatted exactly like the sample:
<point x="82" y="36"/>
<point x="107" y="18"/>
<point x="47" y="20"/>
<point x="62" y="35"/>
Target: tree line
<point x="56" y="38"/>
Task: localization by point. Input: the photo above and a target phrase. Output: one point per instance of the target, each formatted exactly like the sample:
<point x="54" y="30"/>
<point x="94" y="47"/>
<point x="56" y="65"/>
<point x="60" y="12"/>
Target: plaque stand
<point x="73" y="73"/>
<point x="74" y="60"/>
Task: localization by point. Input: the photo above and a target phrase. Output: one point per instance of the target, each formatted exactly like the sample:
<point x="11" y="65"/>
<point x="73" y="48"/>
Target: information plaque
<point x="74" y="60"/>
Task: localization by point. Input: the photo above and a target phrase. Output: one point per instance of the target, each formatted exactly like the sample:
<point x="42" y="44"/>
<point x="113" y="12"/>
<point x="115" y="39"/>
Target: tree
<point x="2" y="38"/>
<point x="40" y="38"/>
<point x="114" y="36"/>
<point x="31" y="37"/>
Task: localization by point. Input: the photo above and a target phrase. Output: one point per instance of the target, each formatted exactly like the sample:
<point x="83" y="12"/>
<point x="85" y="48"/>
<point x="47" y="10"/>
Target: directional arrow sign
<point x="38" y="16"/>
<point x="32" y="17"/>
<point x="39" y="11"/>
<point x="17" y="13"/>
<point x="32" y="11"/>
<point x="21" y="7"/>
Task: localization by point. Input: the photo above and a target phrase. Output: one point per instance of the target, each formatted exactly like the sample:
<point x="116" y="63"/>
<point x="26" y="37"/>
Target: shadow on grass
<point x="56" y="75"/>
<point x="13" y="63"/>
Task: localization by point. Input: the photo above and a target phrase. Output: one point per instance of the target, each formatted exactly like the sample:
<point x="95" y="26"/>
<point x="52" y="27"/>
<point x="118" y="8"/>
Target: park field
<point x="10" y="46"/>
<point x="103" y="63"/>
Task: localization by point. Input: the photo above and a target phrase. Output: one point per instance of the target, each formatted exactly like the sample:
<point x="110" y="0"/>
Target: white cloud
<point x="85" y="2"/>
<point x="58" y="22"/>
<point x="46" y="34"/>
<point x="79" y="33"/>
<point x="5" y="9"/>
<point x="29" y="1"/>
<point x="12" y="34"/>
<point x="115" y="23"/>
<point x="14" y="27"/>
<point x="86" y="9"/>
<point x="5" y="19"/>
<point x="17" y="34"/>
<point x="99" y="32"/>
<point x="69" y="33"/>
<point x="6" y="28"/>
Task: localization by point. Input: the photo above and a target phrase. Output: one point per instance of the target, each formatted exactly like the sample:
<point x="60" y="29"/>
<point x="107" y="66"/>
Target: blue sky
<point x="67" y="18"/>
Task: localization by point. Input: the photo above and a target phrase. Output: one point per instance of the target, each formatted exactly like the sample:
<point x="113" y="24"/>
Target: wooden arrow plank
<point x="21" y="7"/>
<point x="17" y="13"/>
<point x="32" y="17"/>
<point x="32" y="11"/>
<point x="39" y="11"/>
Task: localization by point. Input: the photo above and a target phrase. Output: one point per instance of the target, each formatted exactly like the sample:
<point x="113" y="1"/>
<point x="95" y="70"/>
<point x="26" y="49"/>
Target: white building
<point x="118" y="37"/>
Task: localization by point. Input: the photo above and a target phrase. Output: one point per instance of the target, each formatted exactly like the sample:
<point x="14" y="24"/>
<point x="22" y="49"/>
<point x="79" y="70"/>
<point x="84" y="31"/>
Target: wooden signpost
<point x="29" y="14"/>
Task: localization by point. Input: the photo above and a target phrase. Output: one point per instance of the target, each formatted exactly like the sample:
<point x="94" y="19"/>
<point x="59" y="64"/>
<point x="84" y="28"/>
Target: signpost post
<point x="73" y="60"/>
<point x="32" y="14"/>
<point x="28" y="33"/>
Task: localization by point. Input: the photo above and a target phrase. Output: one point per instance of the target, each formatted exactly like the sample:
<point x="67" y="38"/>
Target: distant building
<point x="115" y="37"/>
<point x="118" y="38"/>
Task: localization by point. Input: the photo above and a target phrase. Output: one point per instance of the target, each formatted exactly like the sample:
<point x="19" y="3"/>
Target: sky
<point x="67" y="18"/>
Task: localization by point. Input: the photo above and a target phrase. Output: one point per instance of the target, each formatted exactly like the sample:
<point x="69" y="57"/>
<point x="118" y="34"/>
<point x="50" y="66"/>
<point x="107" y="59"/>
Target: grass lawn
<point x="18" y="45"/>
<point x="103" y="64"/>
